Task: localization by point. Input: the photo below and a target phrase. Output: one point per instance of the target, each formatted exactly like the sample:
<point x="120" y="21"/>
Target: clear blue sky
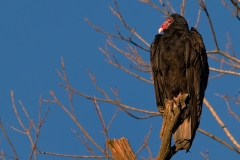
<point x="34" y="35"/>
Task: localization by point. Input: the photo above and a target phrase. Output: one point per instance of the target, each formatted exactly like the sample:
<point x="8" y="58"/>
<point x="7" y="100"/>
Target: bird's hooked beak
<point x="166" y="24"/>
<point x="160" y="30"/>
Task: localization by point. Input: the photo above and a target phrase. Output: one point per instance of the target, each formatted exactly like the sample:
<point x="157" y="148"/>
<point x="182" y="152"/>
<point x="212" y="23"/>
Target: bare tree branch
<point x="145" y="143"/>
<point x="183" y="7"/>
<point x="121" y="149"/>
<point x="85" y="143"/>
<point x="224" y="71"/>
<point x="105" y="131"/>
<point x="225" y="55"/>
<point x="71" y="156"/>
<point x="166" y="12"/>
<point x="205" y="155"/>
<point x="219" y="140"/>
<point x="198" y="18"/>
<point x="225" y="97"/>
<point x="221" y="123"/>
<point x="75" y="121"/>
<point x="117" y="64"/>
<point x="118" y="14"/>
<point x="115" y="36"/>
<point x="9" y="142"/>
<point x="236" y="6"/>
<point x="204" y="7"/>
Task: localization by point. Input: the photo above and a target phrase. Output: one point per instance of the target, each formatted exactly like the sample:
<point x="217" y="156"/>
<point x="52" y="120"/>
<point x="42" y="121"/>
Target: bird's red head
<point x="166" y="24"/>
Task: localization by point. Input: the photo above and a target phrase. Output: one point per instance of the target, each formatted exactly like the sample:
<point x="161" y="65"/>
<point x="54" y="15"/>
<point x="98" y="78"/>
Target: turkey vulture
<point x="179" y="66"/>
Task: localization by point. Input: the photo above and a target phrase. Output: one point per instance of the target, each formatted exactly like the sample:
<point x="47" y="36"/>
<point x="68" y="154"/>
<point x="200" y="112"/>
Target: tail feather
<point x="183" y="135"/>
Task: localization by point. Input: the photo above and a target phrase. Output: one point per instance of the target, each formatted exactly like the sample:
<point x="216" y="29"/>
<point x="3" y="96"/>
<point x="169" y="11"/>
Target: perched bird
<point x="179" y="66"/>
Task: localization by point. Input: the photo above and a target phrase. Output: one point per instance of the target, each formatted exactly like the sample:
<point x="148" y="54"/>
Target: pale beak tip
<point x="160" y="30"/>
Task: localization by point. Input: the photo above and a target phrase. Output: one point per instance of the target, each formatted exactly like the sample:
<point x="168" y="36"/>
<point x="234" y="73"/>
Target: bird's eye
<point x="168" y="23"/>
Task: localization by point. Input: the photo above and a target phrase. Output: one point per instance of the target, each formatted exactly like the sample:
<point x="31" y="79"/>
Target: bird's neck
<point x="175" y="33"/>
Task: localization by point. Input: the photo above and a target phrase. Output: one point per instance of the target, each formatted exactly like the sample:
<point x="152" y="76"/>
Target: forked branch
<point x="170" y="120"/>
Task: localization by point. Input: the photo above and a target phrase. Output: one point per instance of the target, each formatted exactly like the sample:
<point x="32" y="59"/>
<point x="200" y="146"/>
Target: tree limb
<point x="121" y="149"/>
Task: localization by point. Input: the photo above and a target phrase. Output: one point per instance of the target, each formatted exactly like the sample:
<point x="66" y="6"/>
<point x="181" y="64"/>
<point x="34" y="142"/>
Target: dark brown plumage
<point x="179" y="65"/>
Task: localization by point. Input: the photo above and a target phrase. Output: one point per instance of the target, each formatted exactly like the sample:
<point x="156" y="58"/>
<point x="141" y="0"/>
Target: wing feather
<point x="158" y="80"/>
<point x="197" y="76"/>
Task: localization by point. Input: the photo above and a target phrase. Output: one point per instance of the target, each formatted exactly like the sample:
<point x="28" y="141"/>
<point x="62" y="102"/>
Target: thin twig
<point x="206" y="156"/>
<point x="75" y="121"/>
<point x="183" y="7"/>
<point x="155" y="6"/>
<point x="113" y="117"/>
<point x="112" y="102"/>
<point x="40" y="123"/>
<point x="224" y="71"/>
<point x="16" y="112"/>
<point x="221" y="123"/>
<point x="236" y="6"/>
<point x="170" y="6"/>
<point x="115" y="36"/>
<point x="218" y="140"/>
<point x="105" y="131"/>
<point x="85" y="143"/>
<point x="134" y="57"/>
<point x="204" y="7"/>
<point x="198" y="18"/>
<point x="150" y="153"/>
<point x="222" y="61"/>
<point x="167" y="10"/>
<point x="226" y="98"/>
<point x="118" y="14"/>
<point x="117" y="64"/>
<point x="70" y="155"/>
<point x="145" y="143"/>
<point x="9" y="141"/>
<point x="225" y="55"/>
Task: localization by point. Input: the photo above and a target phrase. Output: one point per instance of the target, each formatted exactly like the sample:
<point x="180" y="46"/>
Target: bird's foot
<point x="161" y="110"/>
<point x="180" y="100"/>
<point x="177" y="99"/>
